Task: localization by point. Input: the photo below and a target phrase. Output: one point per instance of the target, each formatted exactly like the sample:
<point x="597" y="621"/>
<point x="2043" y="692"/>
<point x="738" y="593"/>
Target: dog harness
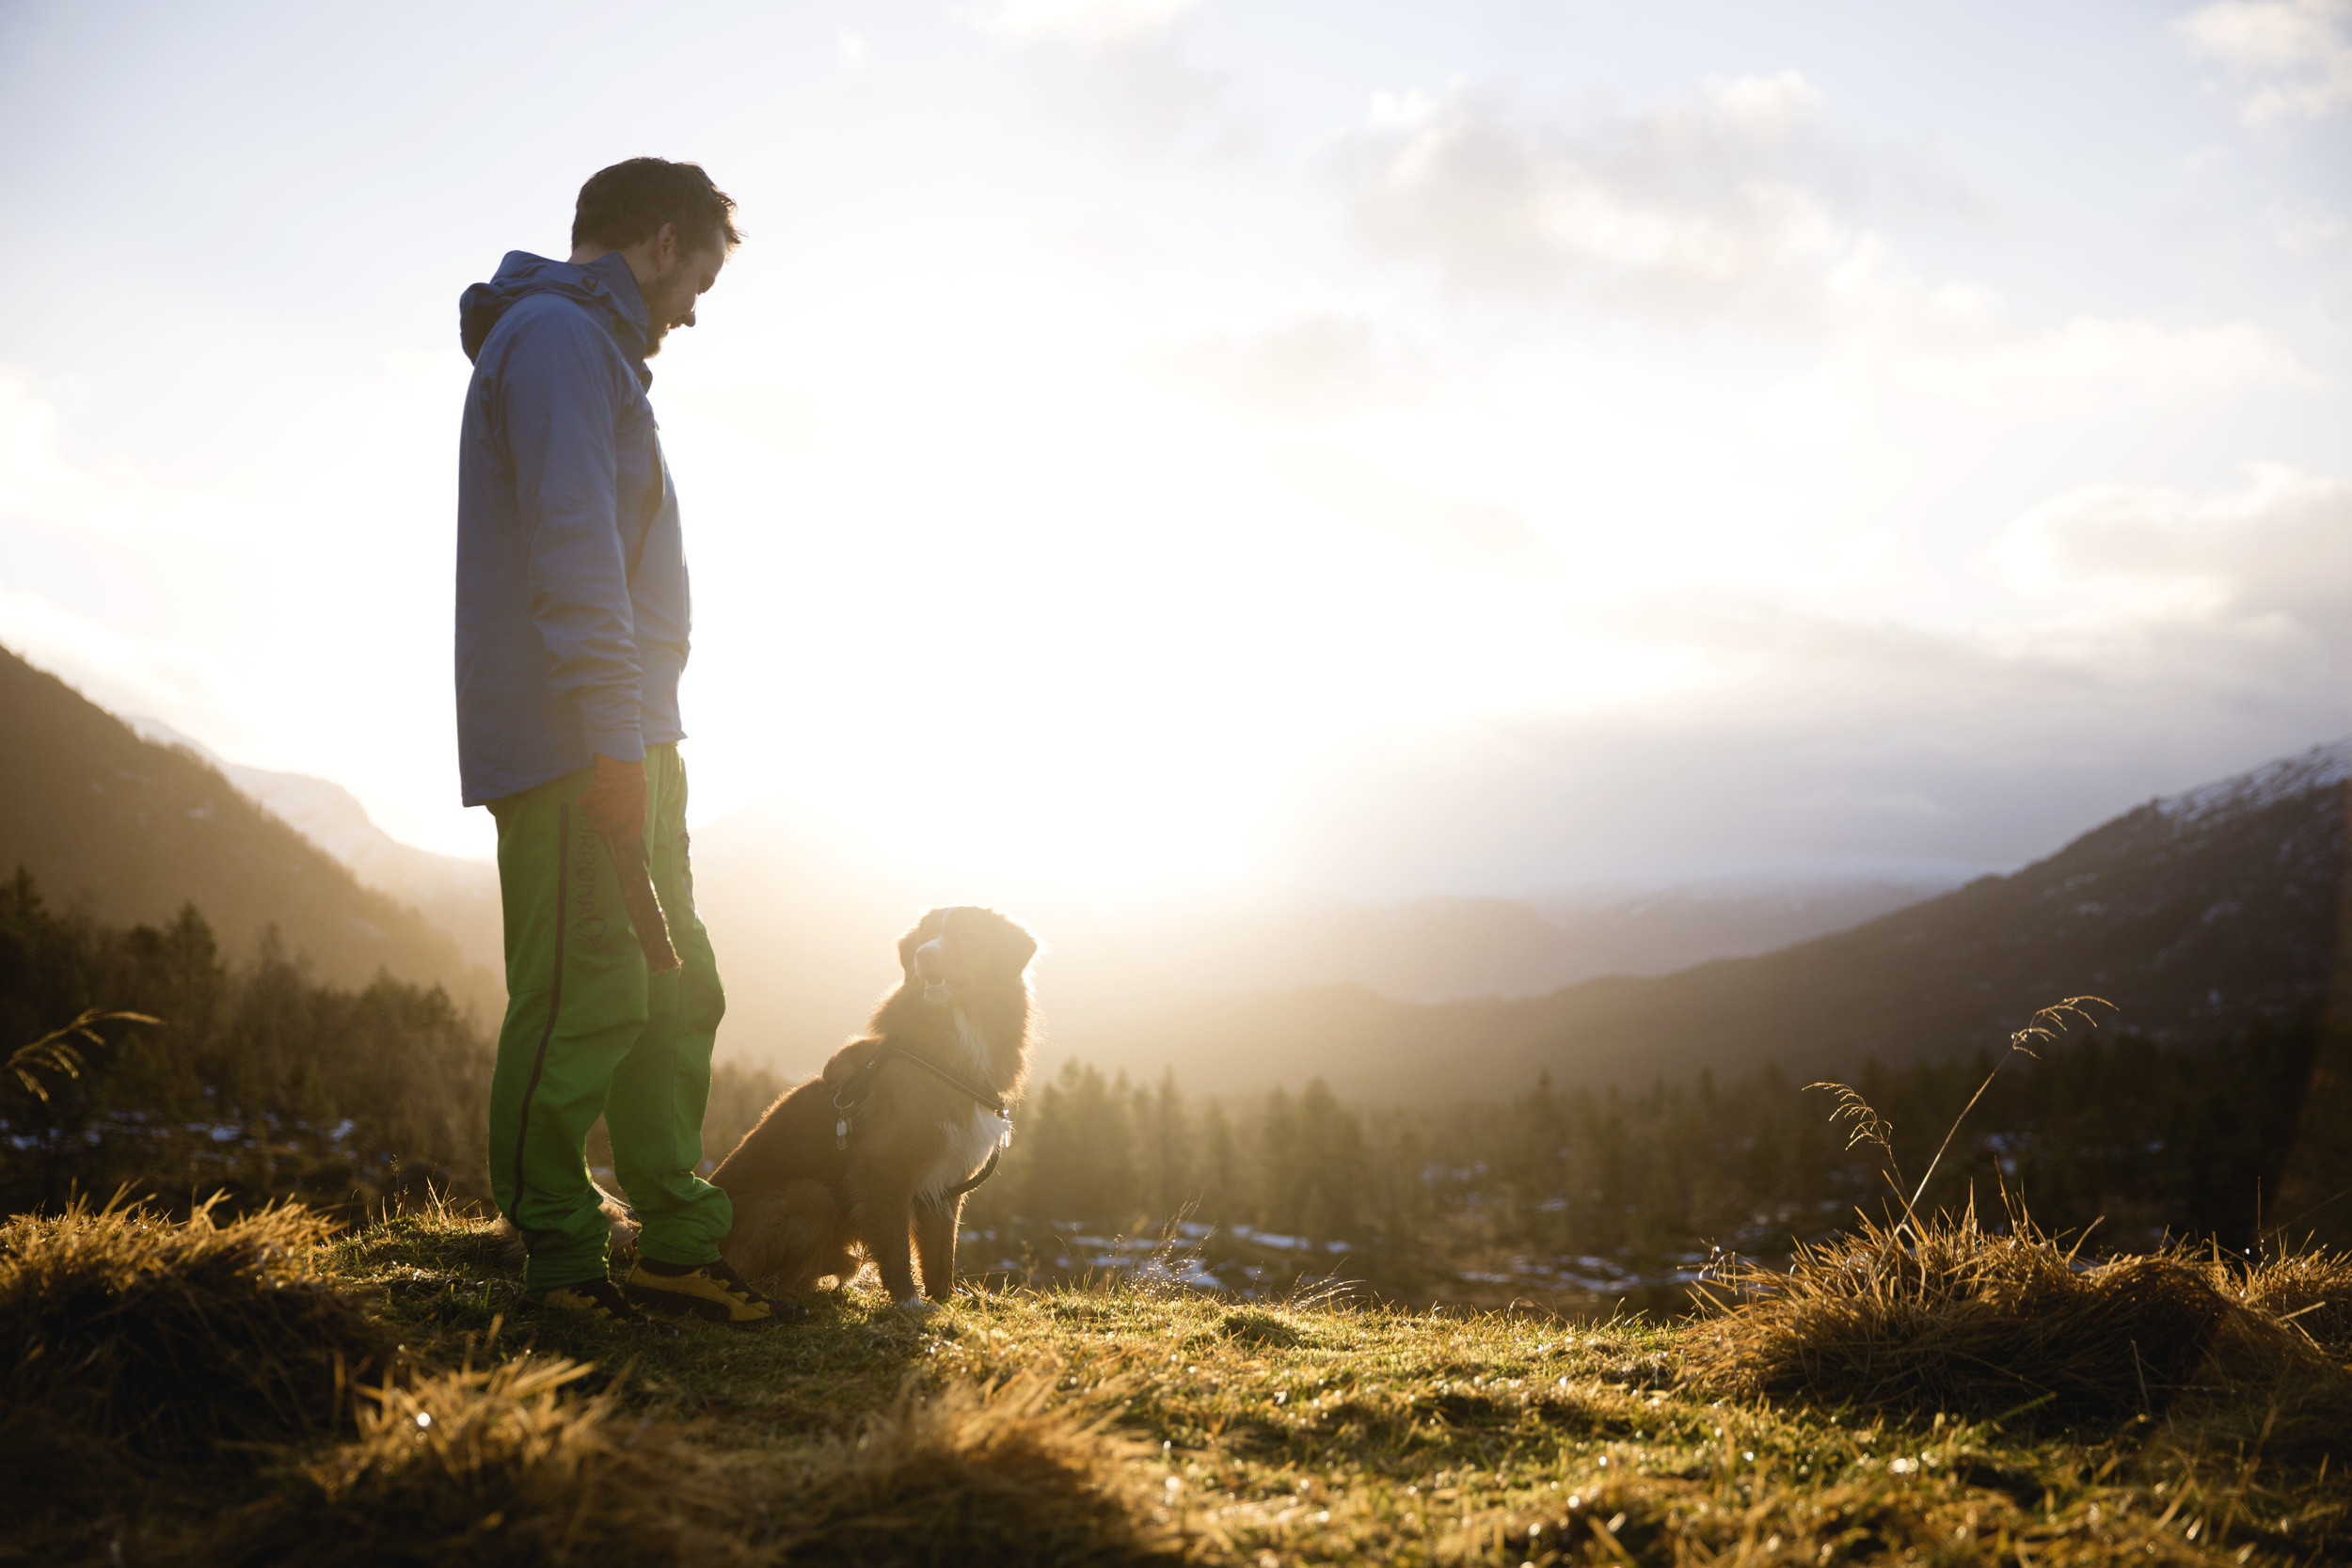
<point x="852" y="1096"/>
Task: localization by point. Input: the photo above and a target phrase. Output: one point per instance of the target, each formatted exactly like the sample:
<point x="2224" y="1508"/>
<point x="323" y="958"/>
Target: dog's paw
<point x="916" y="1307"/>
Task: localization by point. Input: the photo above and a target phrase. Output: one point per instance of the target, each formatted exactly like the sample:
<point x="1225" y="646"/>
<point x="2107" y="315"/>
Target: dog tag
<point x="841" y="1135"/>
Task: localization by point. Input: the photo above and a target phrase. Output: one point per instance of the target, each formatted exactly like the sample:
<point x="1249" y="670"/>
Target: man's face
<point x="680" y="277"/>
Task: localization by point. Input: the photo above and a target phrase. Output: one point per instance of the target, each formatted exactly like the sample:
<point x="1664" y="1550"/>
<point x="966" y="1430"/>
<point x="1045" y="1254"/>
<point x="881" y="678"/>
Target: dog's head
<point x="956" y="954"/>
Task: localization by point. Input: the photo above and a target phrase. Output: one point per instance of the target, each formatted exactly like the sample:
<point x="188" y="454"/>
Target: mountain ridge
<point x="457" y="894"/>
<point x="815" y="914"/>
<point x="2194" y="913"/>
<point x="134" y="830"/>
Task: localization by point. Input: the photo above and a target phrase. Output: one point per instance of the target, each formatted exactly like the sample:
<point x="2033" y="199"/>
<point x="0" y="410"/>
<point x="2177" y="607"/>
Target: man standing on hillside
<point x="571" y="632"/>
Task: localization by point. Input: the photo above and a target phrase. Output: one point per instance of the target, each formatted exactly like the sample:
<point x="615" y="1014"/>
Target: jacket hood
<point x="604" y="287"/>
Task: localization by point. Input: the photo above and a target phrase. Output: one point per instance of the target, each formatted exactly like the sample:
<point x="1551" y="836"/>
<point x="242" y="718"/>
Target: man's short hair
<point x="630" y="201"/>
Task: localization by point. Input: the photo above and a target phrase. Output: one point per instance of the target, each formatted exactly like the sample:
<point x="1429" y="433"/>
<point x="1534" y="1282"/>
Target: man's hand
<point x="615" y="801"/>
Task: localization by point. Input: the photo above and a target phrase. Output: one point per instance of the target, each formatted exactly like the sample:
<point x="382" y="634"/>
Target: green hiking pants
<point x="589" y="1033"/>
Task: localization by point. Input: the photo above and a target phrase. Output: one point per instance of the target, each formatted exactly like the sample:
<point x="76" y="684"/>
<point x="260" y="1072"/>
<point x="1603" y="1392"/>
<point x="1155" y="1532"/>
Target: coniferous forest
<point x="259" y="1080"/>
<point x="1606" y="1189"/>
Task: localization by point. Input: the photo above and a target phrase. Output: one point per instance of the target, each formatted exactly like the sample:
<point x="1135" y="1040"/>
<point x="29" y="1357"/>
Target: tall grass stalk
<point x="54" y="1051"/>
<point x="1868" y="1125"/>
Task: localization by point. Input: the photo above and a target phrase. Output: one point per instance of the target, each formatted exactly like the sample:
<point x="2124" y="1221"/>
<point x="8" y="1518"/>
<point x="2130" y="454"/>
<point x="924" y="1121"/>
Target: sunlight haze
<point x="1146" y="447"/>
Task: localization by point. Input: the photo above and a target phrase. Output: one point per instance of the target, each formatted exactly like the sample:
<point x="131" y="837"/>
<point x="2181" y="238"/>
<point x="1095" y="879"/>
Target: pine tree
<point x="1330" y="1165"/>
<point x="1279" y="1195"/>
<point x="1396" y="1178"/>
<point x="1223" y="1198"/>
<point x="1164" y="1142"/>
<point x="1083" y="1165"/>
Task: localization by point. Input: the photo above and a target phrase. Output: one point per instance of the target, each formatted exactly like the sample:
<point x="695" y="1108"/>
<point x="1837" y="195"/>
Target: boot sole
<point x="603" y="1317"/>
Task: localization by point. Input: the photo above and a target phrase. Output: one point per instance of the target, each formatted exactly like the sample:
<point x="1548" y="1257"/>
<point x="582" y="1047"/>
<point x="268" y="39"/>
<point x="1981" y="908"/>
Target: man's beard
<point x="654" y="334"/>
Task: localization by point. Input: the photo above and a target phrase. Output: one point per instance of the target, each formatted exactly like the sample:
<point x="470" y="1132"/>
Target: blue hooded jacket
<point x="572" y="603"/>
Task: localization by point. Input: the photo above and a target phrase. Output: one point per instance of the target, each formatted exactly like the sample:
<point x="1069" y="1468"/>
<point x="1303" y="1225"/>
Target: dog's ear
<point x="1014" y="946"/>
<point x="925" y="929"/>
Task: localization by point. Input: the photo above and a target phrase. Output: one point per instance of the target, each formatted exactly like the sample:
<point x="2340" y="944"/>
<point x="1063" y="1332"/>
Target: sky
<point x="1364" y="448"/>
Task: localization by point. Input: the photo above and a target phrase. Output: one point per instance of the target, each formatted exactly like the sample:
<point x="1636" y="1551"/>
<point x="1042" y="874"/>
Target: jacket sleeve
<point x="561" y="407"/>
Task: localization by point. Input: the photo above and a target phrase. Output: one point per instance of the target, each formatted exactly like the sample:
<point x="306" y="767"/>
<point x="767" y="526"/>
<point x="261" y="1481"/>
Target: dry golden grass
<point x="495" y="1466"/>
<point x="55" y="1052"/>
<point x="500" y="1466"/>
<point x="120" y="1328"/>
<point x="980" y="1473"/>
<point x="1824" y="1419"/>
<point x="1940" y="1314"/>
<point x="147" y="1361"/>
<point x="2310" y="1288"/>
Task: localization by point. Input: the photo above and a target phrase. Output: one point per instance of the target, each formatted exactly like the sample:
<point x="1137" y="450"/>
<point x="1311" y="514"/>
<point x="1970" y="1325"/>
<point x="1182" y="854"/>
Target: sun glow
<point x="1015" y="602"/>
<point x="1128" y="418"/>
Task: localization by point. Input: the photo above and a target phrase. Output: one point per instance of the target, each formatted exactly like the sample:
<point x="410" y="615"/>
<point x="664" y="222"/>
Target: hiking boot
<point x="711" y="1292"/>
<point x="599" y="1299"/>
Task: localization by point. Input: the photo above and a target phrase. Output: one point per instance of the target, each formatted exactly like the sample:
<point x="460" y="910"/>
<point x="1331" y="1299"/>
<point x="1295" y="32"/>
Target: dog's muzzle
<point x="940" y="987"/>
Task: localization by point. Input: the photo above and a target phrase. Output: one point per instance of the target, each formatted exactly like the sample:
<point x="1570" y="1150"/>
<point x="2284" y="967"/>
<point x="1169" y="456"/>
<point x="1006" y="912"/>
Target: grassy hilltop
<point x="266" y="1391"/>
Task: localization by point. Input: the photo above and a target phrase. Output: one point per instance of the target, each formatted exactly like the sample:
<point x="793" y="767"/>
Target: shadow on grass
<point x="181" y="1391"/>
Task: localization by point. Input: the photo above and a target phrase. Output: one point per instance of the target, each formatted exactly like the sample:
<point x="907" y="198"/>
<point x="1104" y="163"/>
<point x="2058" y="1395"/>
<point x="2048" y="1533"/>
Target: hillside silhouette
<point x="811" y="915"/>
<point x="134" y="830"/>
<point x="2196" y="915"/>
<point x="457" y="894"/>
<point x="804" y="918"/>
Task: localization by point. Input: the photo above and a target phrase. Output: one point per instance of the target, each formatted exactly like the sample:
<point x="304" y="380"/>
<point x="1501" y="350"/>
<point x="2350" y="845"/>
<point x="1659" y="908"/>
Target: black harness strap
<point x="981" y="1175"/>
<point x="852" y="1096"/>
<point x="988" y="1099"/>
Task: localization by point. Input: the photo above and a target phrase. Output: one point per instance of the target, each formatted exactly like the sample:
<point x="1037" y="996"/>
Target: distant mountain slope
<point x="458" y="895"/>
<point x="2194" y="914"/>
<point x="137" y="830"/>
<point x="803" y="922"/>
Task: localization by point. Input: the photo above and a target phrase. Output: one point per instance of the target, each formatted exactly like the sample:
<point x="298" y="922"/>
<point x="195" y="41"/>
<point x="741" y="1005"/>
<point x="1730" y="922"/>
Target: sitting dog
<point x="888" y="1140"/>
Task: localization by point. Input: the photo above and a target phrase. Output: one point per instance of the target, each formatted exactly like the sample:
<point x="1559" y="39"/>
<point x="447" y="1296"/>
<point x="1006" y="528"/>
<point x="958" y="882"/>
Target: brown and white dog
<point x="804" y="1206"/>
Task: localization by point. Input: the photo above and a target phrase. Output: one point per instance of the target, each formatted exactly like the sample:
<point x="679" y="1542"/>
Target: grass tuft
<point x="980" y="1473"/>
<point x="121" y="1329"/>
<point x="1941" y="1314"/>
<point x="2310" y="1288"/>
<point x="508" y="1466"/>
<point x="1257" y="1326"/>
<point x="498" y="1466"/>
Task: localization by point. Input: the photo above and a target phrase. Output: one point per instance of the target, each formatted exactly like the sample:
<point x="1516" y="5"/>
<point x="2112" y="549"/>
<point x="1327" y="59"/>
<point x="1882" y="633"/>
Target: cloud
<point x="1118" y="65"/>
<point x="1744" y="207"/>
<point x="2308" y="232"/>
<point x="1442" y="532"/>
<point x="2270" y="565"/>
<point x="139" y="591"/>
<point x="1738" y="202"/>
<point x="1083" y="21"/>
<point x="191" y="686"/>
<point x="2158" y="639"/>
<point x="1893" y="332"/>
<point x="1313" y="365"/>
<point x="2132" y="607"/>
<point x="2291" y="59"/>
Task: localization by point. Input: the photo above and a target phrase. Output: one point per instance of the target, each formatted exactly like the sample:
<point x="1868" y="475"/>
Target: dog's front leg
<point x="936" y="1222"/>
<point x="883" y="1221"/>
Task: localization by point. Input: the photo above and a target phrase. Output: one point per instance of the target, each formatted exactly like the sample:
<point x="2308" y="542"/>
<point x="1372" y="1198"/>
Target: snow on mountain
<point x="2327" y="767"/>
